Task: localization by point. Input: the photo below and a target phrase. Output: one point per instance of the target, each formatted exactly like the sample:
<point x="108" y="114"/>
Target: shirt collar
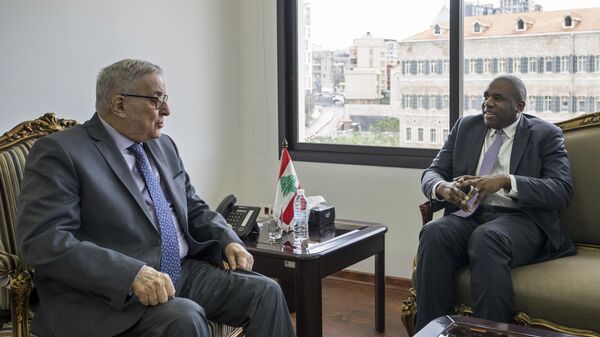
<point x="510" y="130"/>
<point x="121" y="141"/>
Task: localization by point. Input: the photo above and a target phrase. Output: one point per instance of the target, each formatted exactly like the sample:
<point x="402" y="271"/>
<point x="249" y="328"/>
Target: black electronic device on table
<point x="242" y="219"/>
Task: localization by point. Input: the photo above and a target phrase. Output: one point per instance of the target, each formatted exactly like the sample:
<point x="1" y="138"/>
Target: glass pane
<point x="373" y="73"/>
<point x="552" y="45"/>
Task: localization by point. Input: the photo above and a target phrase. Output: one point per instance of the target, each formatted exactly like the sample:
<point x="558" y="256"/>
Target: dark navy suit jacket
<point x="538" y="161"/>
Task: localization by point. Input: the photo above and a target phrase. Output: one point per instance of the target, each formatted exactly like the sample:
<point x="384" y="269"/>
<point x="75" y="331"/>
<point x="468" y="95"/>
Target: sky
<point x="335" y="23"/>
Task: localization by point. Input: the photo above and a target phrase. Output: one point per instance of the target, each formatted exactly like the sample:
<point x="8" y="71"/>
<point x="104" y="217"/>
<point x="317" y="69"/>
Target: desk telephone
<point x="241" y="218"/>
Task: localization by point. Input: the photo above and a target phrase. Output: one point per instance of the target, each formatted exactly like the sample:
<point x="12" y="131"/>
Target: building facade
<point x="556" y="54"/>
<point x="366" y="78"/>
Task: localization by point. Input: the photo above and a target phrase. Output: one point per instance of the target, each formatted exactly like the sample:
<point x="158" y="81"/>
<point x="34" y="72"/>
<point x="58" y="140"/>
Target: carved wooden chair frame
<point x="20" y="278"/>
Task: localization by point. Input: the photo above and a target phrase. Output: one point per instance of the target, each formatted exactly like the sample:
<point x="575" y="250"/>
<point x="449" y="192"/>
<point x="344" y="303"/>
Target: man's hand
<point x="452" y="193"/>
<point x="153" y="287"/>
<point x="484" y="185"/>
<point x="238" y="257"/>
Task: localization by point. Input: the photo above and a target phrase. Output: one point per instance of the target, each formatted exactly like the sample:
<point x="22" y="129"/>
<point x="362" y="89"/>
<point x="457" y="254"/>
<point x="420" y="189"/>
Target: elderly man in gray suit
<point x="503" y="176"/>
<point x="120" y="242"/>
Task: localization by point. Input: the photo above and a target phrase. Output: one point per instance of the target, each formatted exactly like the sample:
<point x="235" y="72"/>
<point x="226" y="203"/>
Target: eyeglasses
<point x="158" y="101"/>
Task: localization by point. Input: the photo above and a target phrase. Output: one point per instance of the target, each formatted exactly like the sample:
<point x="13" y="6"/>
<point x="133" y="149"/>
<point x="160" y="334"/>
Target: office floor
<point x="349" y="310"/>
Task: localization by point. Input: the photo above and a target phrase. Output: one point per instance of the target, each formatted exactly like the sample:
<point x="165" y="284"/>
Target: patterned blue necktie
<point x="487" y="166"/>
<point x="170" y="262"/>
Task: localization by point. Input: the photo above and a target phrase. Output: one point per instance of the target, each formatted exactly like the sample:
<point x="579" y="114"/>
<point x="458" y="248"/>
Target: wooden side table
<point x="330" y="250"/>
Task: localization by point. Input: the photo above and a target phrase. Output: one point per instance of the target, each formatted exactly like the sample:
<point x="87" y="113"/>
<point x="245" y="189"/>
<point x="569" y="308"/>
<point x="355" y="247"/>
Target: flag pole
<point x="284" y="145"/>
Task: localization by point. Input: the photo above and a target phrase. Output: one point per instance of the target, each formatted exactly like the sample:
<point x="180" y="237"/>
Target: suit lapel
<point x="519" y="143"/>
<point x="115" y="160"/>
<point x="166" y="179"/>
<point x="476" y="140"/>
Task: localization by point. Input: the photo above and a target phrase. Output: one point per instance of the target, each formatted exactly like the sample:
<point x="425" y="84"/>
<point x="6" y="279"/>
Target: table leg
<point x="309" y="309"/>
<point x="289" y="292"/>
<point x="380" y="291"/>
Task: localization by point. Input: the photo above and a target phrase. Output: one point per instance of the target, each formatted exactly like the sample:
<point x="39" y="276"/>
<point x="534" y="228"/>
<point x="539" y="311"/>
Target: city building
<point x="519" y="6"/>
<point x="556" y="53"/>
<point x="366" y="78"/>
<point x="307" y="48"/>
<point x="476" y="9"/>
<point x="322" y="70"/>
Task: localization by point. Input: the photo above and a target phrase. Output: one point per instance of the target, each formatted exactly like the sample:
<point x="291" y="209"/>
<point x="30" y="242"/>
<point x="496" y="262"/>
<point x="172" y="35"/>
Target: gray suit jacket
<point x="538" y="161"/>
<point x="84" y="227"/>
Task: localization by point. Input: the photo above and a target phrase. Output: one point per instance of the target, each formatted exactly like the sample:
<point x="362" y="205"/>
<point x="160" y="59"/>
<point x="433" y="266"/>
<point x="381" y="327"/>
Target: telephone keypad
<point x="237" y="217"/>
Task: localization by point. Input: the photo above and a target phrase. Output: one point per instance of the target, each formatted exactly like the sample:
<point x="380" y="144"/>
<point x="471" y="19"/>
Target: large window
<point x="565" y="64"/>
<point x="516" y="65"/>
<point x="357" y="78"/>
<point x="581" y="63"/>
<point x="548" y="64"/>
<point x="433" y="136"/>
<point x="533" y="65"/>
<point x="501" y="65"/>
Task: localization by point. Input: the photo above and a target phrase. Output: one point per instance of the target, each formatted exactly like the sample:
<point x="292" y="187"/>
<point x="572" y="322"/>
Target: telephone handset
<point x="241" y="218"/>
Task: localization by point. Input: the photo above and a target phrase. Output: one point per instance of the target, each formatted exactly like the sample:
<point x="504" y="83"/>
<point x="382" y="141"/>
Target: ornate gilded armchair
<point x="561" y="294"/>
<point x="14" y="297"/>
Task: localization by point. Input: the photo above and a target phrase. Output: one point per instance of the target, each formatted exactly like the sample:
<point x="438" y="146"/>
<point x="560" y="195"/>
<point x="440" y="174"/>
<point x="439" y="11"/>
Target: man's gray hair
<point x="120" y="77"/>
<point x="517" y="83"/>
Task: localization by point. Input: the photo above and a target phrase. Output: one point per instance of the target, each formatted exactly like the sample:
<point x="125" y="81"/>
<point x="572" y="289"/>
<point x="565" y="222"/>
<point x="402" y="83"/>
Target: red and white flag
<point x="287" y="185"/>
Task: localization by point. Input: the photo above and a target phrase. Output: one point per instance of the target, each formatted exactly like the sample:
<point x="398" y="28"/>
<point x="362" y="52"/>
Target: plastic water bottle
<point x="300" y="218"/>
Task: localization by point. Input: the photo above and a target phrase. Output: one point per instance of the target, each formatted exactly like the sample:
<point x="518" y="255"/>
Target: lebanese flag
<point x="287" y="185"/>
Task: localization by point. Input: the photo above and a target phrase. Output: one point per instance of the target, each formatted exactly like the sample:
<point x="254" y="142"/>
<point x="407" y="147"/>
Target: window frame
<point x="432" y="135"/>
<point x="565" y="64"/>
<point x="502" y="65"/>
<point x="582" y="63"/>
<point x="516" y="65"/>
<point x="421" y="134"/>
<point x="287" y="61"/>
<point x="532" y="64"/>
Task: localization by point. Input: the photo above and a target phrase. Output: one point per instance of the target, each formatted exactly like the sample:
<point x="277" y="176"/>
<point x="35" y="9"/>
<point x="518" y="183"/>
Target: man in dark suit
<point x="120" y="242"/>
<point x="503" y="176"/>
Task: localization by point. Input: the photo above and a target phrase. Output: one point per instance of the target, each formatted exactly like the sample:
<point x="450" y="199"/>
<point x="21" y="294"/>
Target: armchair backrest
<point x="14" y="148"/>
<point x="582" y="218"/>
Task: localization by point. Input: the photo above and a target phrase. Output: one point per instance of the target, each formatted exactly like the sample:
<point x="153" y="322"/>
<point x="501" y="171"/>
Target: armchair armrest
<point x="428" y="208"/>
<point x="19" y="287"/>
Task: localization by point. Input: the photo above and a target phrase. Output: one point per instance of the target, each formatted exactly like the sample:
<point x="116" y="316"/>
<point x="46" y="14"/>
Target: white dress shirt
<point x="502" y="197"/>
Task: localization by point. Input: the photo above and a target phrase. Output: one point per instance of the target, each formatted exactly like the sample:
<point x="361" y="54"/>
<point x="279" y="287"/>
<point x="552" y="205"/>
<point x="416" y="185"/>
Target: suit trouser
<point x="206" y="292"/>
<point x="491" y="242"/>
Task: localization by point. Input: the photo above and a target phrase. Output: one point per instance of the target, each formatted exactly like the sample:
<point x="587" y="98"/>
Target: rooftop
<point x="584" y="19"/>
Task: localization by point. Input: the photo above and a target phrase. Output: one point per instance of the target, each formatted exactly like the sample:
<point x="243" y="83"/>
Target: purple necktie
<point x="170" y="262"/>
<point x="487" y="165"/>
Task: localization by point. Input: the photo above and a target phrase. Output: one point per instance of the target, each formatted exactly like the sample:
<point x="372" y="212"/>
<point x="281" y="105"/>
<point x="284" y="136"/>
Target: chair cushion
<point x="12" y="164"/>
<point x="565" y="291"/>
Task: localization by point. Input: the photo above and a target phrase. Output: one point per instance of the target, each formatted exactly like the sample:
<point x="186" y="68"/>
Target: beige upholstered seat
<point x="14" y="147"/>
<point x="561" y="294"/>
